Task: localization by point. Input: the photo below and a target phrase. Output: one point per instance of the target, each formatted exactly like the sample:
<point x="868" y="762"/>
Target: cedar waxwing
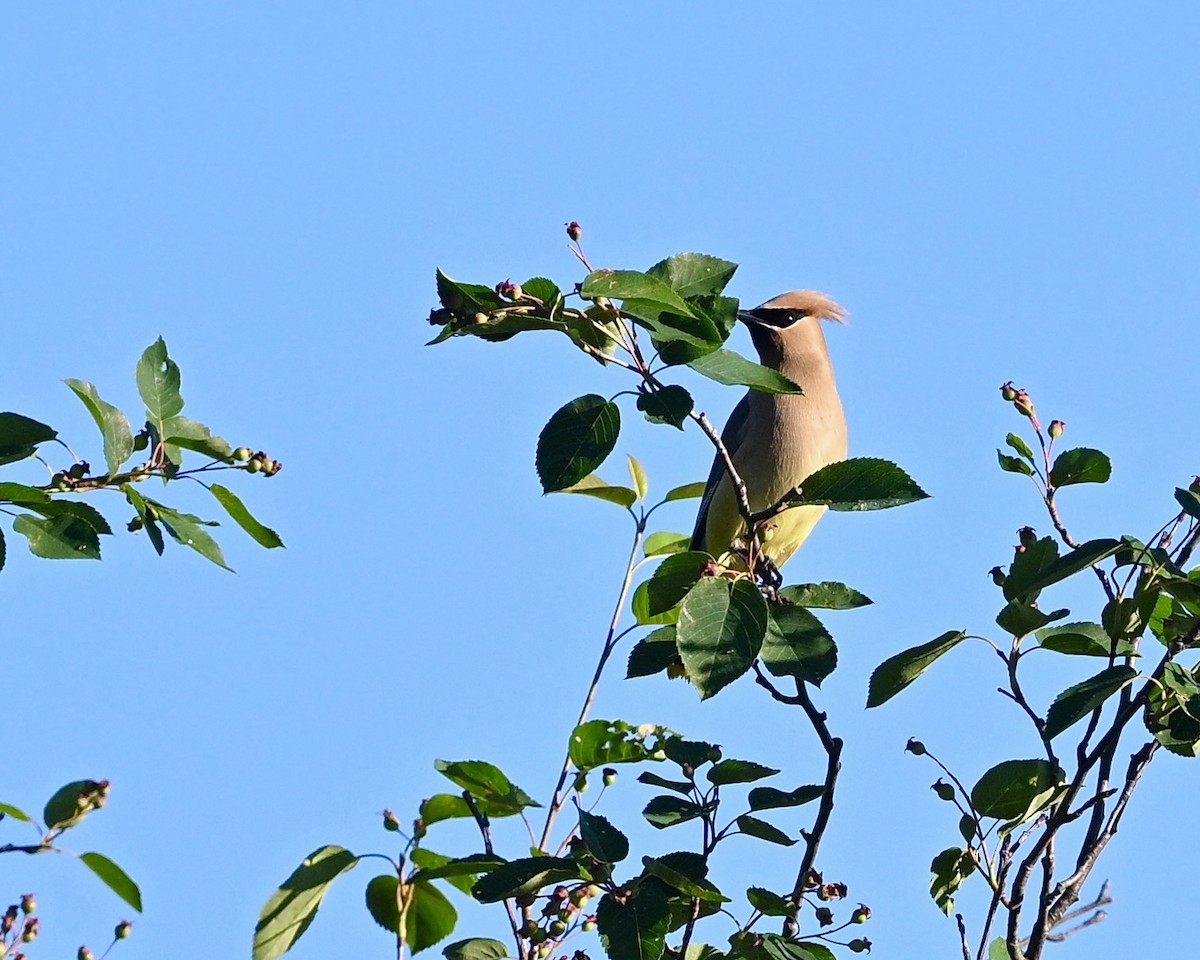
<point x="777" y="440"/>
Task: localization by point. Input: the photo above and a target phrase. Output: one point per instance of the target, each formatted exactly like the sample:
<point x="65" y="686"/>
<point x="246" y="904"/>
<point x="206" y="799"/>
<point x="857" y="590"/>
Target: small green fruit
<point x="242" y="453"/>
<point x="254" y="466"/>
<point x="123" y="930"/>
<point x="557" y="929"/>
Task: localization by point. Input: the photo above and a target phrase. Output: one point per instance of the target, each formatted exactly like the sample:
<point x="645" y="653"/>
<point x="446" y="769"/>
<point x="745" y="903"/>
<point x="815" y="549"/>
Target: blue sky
<point x="993" y="191"/>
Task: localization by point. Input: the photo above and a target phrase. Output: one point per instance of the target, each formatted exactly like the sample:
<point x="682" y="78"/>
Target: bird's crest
<point x="811" y="302"/>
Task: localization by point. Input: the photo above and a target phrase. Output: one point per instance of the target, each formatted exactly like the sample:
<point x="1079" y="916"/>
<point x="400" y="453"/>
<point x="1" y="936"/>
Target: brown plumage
<point x="777" y="441"/>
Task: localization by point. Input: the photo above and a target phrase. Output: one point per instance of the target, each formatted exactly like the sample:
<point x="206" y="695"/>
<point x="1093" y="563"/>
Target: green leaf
<point x="477" y="948"/>
<point x="63" y="809"/>
<point x="59" y="538"/>
<point x="703" y="951"/>
<point x="1189" y="500"/>
<point x="664" y="811"/>
<point x="149" y="522"/>
<point x="461" y="872"/>
<point x="688" y="491"/>
<point x="8" y="810"/>
<point x="738" y="771"/>
<point x="1020" y="446"/>
<point x="113" y="424"/>
<point x="768" y="798"/>
<point x="593" y="486"/>
<point x="664" y="542"/>
<point x="486" y="782"/>
<point x="118" y="880"/>
<point x="636" y="929"/>
<point x="1082" y="639"/>
<point x="828" y="595"/>
<point x="720" y="631"/>
<point x="690" y="753"/>
<point x="1029" y="563"/>
<point x="519" y="877"/>
<point x="1015" y="789"/>
<point x="775" y="947"/>
<point x="672" y="404"/>
<point x="187" y="433"/>
<point x="633" y="285"/>
<point x="578" y="438"/>
<point x="732" y="369"/>
<point x="466" y="298"/>
<point x="598" y="743"/>
<point x="1081" y="465"/>
<point x="1022" y="582"/>
<point x="1013" y="464"/>
<point x="998" y="950"/>
<point x="1021" y="619"/>
<point x="188" y="529"/>
<point x="233" y="505"/>
<point x="19" y="437"/>
<point x="862" y="483"/>
<point x="641" y="607"/>
<point x="896" y="673"/>
<point x="752" y="826"/>
<point x="1076" y="702"/>
<point x="672" y="580"/>
<point x="701" y="890"/>
<point x="689" y="274"/>
<point x="430" y="918"/>
<point x="770" y="904"/>
<point x="950" y="868"/>
<point x="3" y="550"/>
<point x="158" y="381"/>
<point x="443" y="806"/>
<point x="291" y="908"/>
<point x="797" y="645"/>
<point x="654" y="780"/>
<point x="652" y="654"/>
<point x="604" y="841"/>
<point x="72" y="508"/>
<point x="638" y="475"/>
<point x="20" y="493"/>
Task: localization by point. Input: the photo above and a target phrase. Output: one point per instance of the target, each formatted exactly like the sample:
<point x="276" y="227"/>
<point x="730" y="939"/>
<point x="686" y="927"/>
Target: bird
<point x="776" y="441"/>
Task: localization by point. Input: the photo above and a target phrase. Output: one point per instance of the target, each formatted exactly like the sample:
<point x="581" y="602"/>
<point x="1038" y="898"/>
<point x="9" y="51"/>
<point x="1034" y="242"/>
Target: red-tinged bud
<point x="579" y="896"/>
<point x="610" y="776"/>
<point x="580" y="955"/>
<point x="1194" y="486"/>
<point x="419" y="828"/>
<point x="998" y="576"/>
<point x="1027" y="536"/>
<point x="391" y="822"/>
<point x="529" y="928"/>
<point x="28" y="903"/>
<point x="30" y="931"/>
<point x="589" y="923"/>
<point x="831" y="891"/>
<point x="574" y="230"/>
<point x="509" y="290"/>
<point x="824" y="916"/>
<point x="944" y="790"/>
<point x="915" y="747"/>
<point x="123" y="930"/>
<point x="1023" y="404"/>
<point x="1008" y="391"/>
<point x="83" y="953"/>
<point x="1056" y="429"/>
<point x="526" y="900"/>
<point x="560" y="892"/>
<point x="861" y="915"/>
<point x="861" y="945"/>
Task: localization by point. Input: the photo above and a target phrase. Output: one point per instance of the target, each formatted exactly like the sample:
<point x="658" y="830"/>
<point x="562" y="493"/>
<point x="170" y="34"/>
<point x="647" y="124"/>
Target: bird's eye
<point x="779" y="317"/>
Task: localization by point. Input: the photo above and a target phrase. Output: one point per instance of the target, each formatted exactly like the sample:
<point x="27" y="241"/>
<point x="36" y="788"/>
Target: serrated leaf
<point x="22" y="494"/>
<point x="672" y="404"/>
<point x="149" y="521"/>
<point x="72" y="508"/>
<point x="768" y="798"/>
<point x="897" y="672"/>
<point x="828" y="595"/>
<point x="1189" y="500"/>
<point x="1081" y="465"/>
<point x="950" y="868"/>
<point x="577" y="439"/>
<point x="291" y="908"/>
<point x="689" y="274"/>
<point x="1077" y="701"/>
<point x="770" y="904"/>
<point x="637" y="928"/>
<point x="861" y="483"/>
<point x="113" y="424"/>
<point x="476" y="948"/>
<point x="640" y="605"/>
<point x="663" y="811"/>
<point x="1021" y="619"/>
<point x="63" y="809"/>
<point x="598" y="743"/>
<point x="20" y="435"/>
<point x="732" y="369"/>
<point x="688" y="491"/>
<point x="184" y="432"/>
<point x="1082" y="639"/>
<point x="762" y="830"/>
<point x="701" y="890"/>
<point x="1010" y="790"/>
<point x="158" y="382"/>
<point x="117" y="880"/>
<point x="672" y="580"/>
<point x="485" y="782"/>
<point x="652" y="654"/>
<point x="664" y="542"/>
<point x="720" y="632"/>
<point x="593" y="486"/>
<point x="233" y="505"/>
<point x="443" y="806"/>
<point x="1025" y="581"/>
<point x="797" y="644"/>
<point x="525" y="876"/>
<point x="604" y="841"/>
<point x="654" y="780"/>
<point x="63" y="537"/>
<point x="429" y="916"/>
<point x="633" y="285"/>
<point x="738" y="771"/>
<point x="436" y="866"/>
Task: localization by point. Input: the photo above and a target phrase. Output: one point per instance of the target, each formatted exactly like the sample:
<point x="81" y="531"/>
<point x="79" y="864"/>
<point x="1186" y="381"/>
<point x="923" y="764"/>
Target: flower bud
<point x="391" y="822"/>
<point x="1194" y="486"/>
<point x="824" y="916"/>
<point x="610" y="776"/>
<point x="574" y="230"/>
<point x="998" y="576"/>
<point x="30" y="931"/>
<point x="861" y="915"/>
<point x="123" y="930"/>
<point x="509" y="290"/>
<point x="28" y="903"/>
<point x="1055" y="429"/>
<point x="915" y="747"/>
<point x="589" y="923"/>
<point x="1023" y="404"/>
<point x="944" y="790"/>
<point x="560" y="893"/>
<point x="83" y="953"/>
<point x="1008" y="391"/>
<point x="860" y="945"/>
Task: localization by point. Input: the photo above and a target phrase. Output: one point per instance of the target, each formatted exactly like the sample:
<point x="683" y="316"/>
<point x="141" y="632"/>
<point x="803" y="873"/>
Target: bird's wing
<point x="732" y="437"/>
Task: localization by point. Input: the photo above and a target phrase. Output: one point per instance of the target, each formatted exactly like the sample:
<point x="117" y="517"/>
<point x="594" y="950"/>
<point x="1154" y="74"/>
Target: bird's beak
<point x="747" y="317"/>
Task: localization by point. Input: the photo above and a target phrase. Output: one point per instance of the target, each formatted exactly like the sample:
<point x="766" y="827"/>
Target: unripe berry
<point x="1055" y="429"/>
<point x="589" y="924"/>
<point x="440" y="317"/>
<point x="29" y="934"/>
<point x="574" y="230"/>
<point x="83" y="954"/>
<point x="593" y="890"/>
<point x="1008" y="391"/>
<point x="28" y="903"/>
<point x="479" y="318"/>
<point x="1027" y="536"/>
<point x="526" y="900"/>
<point x="123" y="930"/>
<point x="3" y="950"/>
<point x="915" y="747"/>
<point x="557" y="929"/>
<point x="861" y="915"/>
<point x="824" y="916"/>
<point x="944" y="790"/>
<point x="581" y="783"/>
<point x="529" y="928"/>
<point x="544" y="951"/>
<point x="860" y="945"/>
<point x="254" y="466"/>
<point x="610" y="776"/>
<point x="391" y="822"/>
<point x="242" y="453"/>
<point x="998" y="576"/>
